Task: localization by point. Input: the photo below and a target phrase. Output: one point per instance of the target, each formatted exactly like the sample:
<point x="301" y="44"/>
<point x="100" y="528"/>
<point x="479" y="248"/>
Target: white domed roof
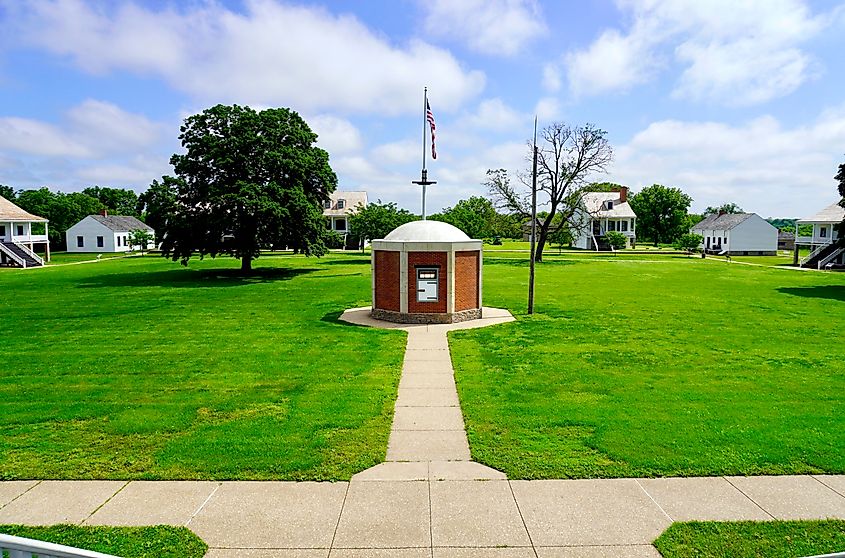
<point x="427" y="231"/>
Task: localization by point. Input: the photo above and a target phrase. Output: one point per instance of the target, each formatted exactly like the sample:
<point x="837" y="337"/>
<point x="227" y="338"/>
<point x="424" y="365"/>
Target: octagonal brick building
<point x="426" y="272"/>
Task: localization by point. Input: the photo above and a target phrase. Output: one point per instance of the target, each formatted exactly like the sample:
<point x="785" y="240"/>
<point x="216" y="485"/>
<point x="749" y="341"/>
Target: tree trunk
<point x="246" y="264"/>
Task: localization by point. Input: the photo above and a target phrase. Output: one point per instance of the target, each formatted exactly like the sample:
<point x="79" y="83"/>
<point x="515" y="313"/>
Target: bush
<point x="616" y="240"/>
<point x="689" y="242"/>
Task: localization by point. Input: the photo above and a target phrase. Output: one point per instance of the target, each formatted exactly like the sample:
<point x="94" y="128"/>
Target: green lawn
<point x="160" y="541"/>
<point x="57" y="258"/>
<point x="139" y="368"/>
<point x="749" y="539"/>
<point x="636" y="368"/>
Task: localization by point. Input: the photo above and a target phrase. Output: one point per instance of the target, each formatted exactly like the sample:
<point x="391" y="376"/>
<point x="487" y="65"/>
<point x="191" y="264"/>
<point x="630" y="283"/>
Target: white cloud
<point x="736" y="53"/>
<point x="498" y="27"/>
<point x="272" y="54"/>
<point x="547" y="108"/>
<point x="762" y="166"/>
<point x="90" y="130"/>
<point x="397" y="153"/>
<point x="493" y="114"/>
<point x="552" y="80"/>
<point x="336" y="135"/>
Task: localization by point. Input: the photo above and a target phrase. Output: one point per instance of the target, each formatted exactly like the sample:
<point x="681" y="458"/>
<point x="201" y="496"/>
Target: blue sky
<point x="730" y="100"/>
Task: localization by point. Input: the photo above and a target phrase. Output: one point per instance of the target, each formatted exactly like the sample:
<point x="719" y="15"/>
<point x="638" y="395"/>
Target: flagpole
<point x="424" y="172"/>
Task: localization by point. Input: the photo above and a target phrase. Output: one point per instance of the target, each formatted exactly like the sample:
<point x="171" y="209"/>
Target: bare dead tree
<point x="567" y="157"/>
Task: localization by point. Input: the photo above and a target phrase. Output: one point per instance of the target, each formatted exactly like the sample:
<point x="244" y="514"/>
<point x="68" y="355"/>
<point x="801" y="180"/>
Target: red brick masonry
<point x="466" y="281"/>
<point x="433" y="259"/>
<point x="387" y="280"/>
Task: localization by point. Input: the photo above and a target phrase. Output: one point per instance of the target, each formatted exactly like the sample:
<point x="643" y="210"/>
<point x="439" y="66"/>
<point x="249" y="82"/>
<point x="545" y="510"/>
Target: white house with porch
<point x="106" y="233"/>
<point x="738" y="234"/>
<point x="823" y="240"/>
<point x="339" y="207"/>
<point x="21" y="235"/>
<point x="601" y="212"/>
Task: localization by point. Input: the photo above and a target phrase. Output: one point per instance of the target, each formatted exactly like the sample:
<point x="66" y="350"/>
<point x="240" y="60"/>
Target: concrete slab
<point x="588" y="512"/>
<point x="428" y="367"/>
<point x="427" y="397"/>
<point x="425" y="355"/>
<point x="407" y="445"/>
<point x="9" y="490"/>
<point x="520" y="552"/>
<point x="380" y="553"/>
<point x="834" y="482"/>
<point x="428" y="418"/>
<point x="490" y="316"/>
<point x="395" y="471"/>
<point x="427" y="341"/>
<point x="385" y="515"/>
<point x="430" y="381"/>
<point x="702" y="499"/>
<point x="154" y="503"/>
<point x="271" y="515"/>
<point x="792" y="497"/>
<point x="624" y="551"/>
<point x="462" y="470"/>
<point x="53" y="502"/>
<point x="475" y="513"/>
<point x="274" y="553"/>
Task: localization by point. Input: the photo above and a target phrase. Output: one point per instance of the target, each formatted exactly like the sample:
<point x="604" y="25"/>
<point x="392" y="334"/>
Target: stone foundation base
<point x="426" y="318"/>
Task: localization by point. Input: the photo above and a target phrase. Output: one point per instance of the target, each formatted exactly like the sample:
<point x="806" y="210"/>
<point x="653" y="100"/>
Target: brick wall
<point x="466" y="280"/>
<point x="387" y="280"/>
<point x="432" y="259"/>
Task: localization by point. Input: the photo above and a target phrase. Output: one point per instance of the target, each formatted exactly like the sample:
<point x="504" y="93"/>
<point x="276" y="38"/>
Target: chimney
<point x="722" y="212"/>
<point x="104" y="212"/>
<point x="623" y="194"/>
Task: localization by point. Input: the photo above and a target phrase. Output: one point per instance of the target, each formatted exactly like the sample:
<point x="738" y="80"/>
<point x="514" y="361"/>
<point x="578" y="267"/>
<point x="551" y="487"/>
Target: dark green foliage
<point x="560" y="235"/>
<point x="689" y="242"/>
<point x="616" y="240"/>
<point x="728" y="207"/>
<point x="751" y="539"/>
<point x="118" y="201"/>
<point x="7" y="192"/>
<point x="250" y="180"/>
<point x="377" y="219"/>
<point x="161" y="541"/>
<point x="661" y="213"/>
<point x="605" y="187"/>
<point x="475" y="216"/>
<point x="140" y="239"/>
<point x="158" y="203"/>
<point x="63" y="210"/>
<point x="788" y="225"/>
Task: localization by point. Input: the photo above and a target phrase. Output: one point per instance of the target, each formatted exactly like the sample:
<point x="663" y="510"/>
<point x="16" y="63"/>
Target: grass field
<point x="140" y="368"/>
<point x="160" y="541"/>
<point x="58" y="258"/>
<point x="748" y="539"/>
<point x="644" y="367"/>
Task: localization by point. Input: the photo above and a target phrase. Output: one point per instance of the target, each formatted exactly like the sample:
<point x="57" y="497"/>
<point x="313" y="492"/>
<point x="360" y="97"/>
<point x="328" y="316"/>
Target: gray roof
<point x="724" y="222"/>
<point x="594" y="203"/>
<point x="11" y="212"/>
<point x="834" y="213"/>
<point x="121" y="223"/>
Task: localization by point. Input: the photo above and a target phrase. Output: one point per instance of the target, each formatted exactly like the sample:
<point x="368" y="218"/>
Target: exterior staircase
<point x="821" y="255"/>
<point x="20" y="254"/>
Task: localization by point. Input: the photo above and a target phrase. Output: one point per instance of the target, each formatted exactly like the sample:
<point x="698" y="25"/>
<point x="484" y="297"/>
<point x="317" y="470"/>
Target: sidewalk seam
<point x="753" y="501"/>
<point x="98" y="508"/>
<point x="430" y="513"/>
<point x="650" y="497"/>
<point x="199" y="509"/>
<point x="339" y="516"/>
<point x="827" y="485"/>
<point x="521" y="518"/>
<point x="21" y="494"/>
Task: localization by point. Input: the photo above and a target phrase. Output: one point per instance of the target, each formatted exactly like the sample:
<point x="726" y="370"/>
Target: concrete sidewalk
<point x="428" y="499"/>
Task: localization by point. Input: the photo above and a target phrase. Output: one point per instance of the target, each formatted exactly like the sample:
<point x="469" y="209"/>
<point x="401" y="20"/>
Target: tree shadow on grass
<point x="832" y="292"/>
<point x="351" y="261"/>
<point x="193" y="279"/>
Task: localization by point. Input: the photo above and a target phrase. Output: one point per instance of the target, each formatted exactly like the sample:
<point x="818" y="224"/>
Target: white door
<point x="427" y="284"/>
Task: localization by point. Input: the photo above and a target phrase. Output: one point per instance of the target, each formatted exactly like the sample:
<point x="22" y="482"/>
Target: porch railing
<point x="30" y="253"/>
<point x="9" y="253"/>
<point x="20" y="547"/>
<point x="813" y="254"/>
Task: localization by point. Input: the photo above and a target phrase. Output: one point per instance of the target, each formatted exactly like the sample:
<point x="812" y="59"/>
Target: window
<point x="327" y="204"/>
<point x="340" y="225"/>
<point x="80" y="242"/>
<point x="624" y="226"/>
<point x="20" y="230"/>
<point x="2" y="230"/>
<point x="726" y="240"/>
<point x="822" y="232"/>
<point x="99" y="242"/>
<point x="341" y="204"/>
<point x="608" y="204"/>
<point x="118" y="242"/>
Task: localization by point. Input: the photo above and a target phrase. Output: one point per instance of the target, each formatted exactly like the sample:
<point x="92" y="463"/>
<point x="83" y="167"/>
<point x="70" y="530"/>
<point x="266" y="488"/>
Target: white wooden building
<point x="339" y="207"/>
<point x="822" y="241"/>
<point x="601" y="212"/>
<point x="106" y="233"/>
<point x="19" y="240"/>
<point x="738" y="234"/>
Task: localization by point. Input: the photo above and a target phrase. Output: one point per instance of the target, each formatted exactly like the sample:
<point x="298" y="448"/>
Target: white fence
<point x="19" y="547"/>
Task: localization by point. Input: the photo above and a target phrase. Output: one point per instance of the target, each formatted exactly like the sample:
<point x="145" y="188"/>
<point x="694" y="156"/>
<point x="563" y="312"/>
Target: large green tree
<point x="158" y="203"/>
<point x="7" y="192"/>
<point x="475" y="216"/>
<point x="727" y="207"/>
<point x="661" y="213"/>
<point x="376" y="220"/>
<point x="248" y="180"/>
<point x="118" y="201"/>
<point x="841" y="226"/>
<point x="62" y="210"/>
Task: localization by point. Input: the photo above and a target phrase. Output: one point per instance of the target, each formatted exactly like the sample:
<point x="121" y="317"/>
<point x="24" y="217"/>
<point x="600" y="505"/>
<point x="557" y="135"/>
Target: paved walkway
<point x="428" y="499"/>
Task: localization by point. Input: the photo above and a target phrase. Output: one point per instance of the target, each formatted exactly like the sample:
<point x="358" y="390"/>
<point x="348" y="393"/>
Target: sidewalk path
<point x="428" y="499"/>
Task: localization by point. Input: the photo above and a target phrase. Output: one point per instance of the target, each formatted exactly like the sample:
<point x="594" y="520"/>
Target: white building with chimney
<point x="106" y="233"/>
<point x="602" y="212"/>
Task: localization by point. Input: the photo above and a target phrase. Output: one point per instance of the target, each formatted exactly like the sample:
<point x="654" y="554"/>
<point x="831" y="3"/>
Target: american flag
<point x="430" y="117"/>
